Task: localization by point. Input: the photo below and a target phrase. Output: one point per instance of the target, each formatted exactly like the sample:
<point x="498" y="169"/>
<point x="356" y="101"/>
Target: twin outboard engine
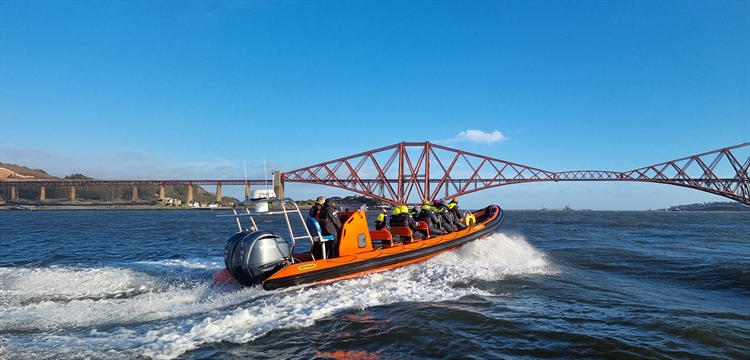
<point x="252" y="257"/>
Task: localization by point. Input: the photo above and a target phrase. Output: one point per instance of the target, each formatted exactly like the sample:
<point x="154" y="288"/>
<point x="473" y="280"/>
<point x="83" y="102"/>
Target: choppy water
<point x="137" y="284"/>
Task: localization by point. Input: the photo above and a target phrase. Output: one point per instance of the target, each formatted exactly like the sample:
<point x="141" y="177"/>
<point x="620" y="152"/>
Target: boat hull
<point x="324" y="270"/>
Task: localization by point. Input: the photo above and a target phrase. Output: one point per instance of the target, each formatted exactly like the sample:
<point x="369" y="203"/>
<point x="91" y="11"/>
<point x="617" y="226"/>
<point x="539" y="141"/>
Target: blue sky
<point x="190" y="90"/>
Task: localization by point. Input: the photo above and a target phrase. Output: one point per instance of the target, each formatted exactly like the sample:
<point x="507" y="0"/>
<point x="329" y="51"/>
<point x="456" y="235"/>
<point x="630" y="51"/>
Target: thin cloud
<point x="478" y="136"/>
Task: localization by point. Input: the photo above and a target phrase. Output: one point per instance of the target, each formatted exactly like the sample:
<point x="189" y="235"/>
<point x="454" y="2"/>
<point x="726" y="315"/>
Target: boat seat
<point x="403" y="232"/>
<point x="382" y="235"/>
<point x="422" y="226"/>
<point x="313" y="226"/>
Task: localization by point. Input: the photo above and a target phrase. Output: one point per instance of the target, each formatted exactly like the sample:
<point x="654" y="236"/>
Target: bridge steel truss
<point x="400" y="172"/>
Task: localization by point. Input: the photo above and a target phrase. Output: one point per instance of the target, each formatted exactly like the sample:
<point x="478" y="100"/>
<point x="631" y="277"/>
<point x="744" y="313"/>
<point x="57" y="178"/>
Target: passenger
<point x="398" y="218"/>
<point x="416" y="234"/>
<point x="381" y="222"/>
<point x="415" y="212"/>
<point x="330" y="225"/>
<point x="401" y="217"/>
<point x="429" y="217"/>
<point x="457" y="214"/>
<point x="445" y="216"/>
<point x="317" y="206"/>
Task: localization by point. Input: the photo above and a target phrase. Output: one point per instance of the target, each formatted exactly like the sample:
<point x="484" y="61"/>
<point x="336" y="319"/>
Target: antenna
<point x="244" y="164"/>
<point x="265" y="175"/>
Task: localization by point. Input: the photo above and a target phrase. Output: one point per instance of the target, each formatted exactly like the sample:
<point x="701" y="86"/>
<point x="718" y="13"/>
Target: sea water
<point x="123" y="284"/>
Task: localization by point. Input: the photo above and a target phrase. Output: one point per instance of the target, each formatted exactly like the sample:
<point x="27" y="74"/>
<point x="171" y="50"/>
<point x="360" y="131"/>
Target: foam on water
<point x="170" y="319"/>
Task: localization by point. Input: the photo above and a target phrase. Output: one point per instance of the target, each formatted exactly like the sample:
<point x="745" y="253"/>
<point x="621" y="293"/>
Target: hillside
<point x="12" y="171"/>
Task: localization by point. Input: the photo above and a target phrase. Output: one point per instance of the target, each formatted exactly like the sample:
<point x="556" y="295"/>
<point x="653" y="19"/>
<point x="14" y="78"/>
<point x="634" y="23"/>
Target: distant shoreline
<point x="59" y="207"/>
<point x="56" y="207"/>
<point x="99" y="207"/>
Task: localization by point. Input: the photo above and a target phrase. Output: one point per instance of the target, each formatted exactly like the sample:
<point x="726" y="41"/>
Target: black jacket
<point x="329" y="220"/>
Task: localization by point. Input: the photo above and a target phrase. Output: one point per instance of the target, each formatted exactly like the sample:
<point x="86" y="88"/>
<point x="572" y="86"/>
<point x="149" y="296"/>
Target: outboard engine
<point x="252" y="257"/>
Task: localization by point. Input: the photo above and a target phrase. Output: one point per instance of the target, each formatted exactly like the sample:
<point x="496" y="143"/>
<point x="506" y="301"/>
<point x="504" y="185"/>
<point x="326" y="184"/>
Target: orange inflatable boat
<point x="261" y="257"/>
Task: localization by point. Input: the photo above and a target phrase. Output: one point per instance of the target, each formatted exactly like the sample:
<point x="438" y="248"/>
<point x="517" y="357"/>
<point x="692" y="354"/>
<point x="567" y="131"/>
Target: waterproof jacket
<point x="447" y="219"/>
<point x="399" y="219"/>
<point x="380" y="222"/>
<point x="329" y="220"/>
<point x="432" y="221"/>
<point x="457" y="215"/>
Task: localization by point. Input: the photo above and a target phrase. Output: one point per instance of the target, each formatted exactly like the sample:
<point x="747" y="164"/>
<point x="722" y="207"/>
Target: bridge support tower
<point x="218" y="193"/>
<point x="72" y="193"/>
<point x="190" y="193"/>
<point x="42" y="194"/>
<point x="278" y="184"/>
<point x="134" y="196"/>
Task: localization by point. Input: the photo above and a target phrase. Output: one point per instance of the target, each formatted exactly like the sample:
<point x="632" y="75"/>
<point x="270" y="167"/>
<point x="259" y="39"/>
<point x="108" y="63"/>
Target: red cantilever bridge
<point x="416" y="170"/>
<point x="399" y="172"/>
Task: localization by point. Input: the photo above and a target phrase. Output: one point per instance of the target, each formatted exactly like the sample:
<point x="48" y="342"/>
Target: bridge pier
<point x="218" y="193"/>
<point x="13" y="193"/>
<point x="134" y="196"/>
<point x="42" y="194"/>
<point x="162" y="192"/>
<point x="190" y="193"/>
<point x="278" y="185"/>
<point x="72" y="193"/>
<point x="247" y="191"/>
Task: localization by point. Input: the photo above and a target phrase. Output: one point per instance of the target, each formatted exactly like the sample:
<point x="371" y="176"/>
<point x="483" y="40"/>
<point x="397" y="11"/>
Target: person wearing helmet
<point x="428" y="216"/>
<point x="401" y="217"/>
<point x="397" y="218"/>
<point x="381" y="222"/>
<point x="453" y="208"/>
<point x="445" y="217"/>
<point x="415" y="212"/>
<point x="416" y="234"/>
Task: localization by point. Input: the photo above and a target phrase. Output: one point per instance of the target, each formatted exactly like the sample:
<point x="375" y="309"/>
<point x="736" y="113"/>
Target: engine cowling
<point x="252" y="257"/>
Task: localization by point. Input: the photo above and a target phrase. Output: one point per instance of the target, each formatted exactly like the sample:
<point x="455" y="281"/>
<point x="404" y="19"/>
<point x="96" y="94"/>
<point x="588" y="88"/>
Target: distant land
<point x="92" y="196"/>
<point x="102" y="196"/>
<point x="117" y="197"/>
<point x="712" y="206"/>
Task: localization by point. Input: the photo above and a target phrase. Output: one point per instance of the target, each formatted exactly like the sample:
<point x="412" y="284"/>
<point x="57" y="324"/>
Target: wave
<point x="125" y="312"/>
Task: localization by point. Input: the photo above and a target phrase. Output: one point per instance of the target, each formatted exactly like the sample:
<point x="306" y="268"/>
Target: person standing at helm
<point x="330" y="225"/>
<point x="315" y="209"/>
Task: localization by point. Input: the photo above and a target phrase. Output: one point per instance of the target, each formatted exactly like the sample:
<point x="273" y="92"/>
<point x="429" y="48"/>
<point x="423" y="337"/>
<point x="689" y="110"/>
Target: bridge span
<point x="411" y="171"/>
